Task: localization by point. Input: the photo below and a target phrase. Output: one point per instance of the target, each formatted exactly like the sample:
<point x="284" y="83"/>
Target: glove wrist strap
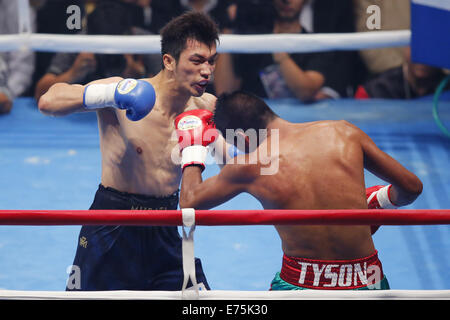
<point x="194" y="155"/>
<point x="384" y="199"/>
<point x="98" y="96"/>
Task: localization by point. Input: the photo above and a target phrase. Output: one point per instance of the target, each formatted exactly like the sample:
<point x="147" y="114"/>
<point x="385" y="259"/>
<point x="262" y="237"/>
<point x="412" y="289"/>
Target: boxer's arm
<point x="47" y="81"/>
<point x="221" y="150"/>
<point x="406" y="186"/>
<point x="196" y="193"/>
<point x="63" y="98"/>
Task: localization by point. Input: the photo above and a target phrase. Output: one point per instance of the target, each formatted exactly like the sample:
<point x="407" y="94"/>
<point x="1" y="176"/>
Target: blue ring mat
<point x="54" y="163"/>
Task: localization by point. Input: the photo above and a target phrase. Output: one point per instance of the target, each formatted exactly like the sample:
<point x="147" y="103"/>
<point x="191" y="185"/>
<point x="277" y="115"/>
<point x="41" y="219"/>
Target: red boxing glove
<point x="195" y="130"/>
<point x="378" y="197"/>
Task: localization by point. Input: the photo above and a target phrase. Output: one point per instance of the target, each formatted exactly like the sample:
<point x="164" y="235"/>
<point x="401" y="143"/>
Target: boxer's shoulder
<point x="330" y="123"/>
<point x="206" y="101"/>
<point x="153" y="81"/>
<point x="341" y="127"/>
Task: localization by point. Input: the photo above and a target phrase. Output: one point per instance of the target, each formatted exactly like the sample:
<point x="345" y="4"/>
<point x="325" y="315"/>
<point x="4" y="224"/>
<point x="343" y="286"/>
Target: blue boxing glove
<point x="233" y="151"/>
<point x="137" y="97"/>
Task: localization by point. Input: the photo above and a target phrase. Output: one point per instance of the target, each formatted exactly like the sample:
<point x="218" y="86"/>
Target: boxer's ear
<point x="169" y="62"/>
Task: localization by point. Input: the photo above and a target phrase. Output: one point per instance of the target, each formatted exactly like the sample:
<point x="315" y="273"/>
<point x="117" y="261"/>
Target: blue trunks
<point x="130" y="257"/>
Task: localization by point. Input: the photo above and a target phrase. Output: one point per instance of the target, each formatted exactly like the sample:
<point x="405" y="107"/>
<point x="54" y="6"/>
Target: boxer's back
<point x="320" y="166"/>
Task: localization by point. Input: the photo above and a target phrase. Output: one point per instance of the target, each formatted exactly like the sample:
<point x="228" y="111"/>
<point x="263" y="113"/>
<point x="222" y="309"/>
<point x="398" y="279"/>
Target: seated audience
<point x="393" y="15"/>
<point x="278" y="75"/>
<point x="16" y="67"/>
<point x="84" y="67"/>
<point x="408" y="81"/>
<point x="5" y="96"/>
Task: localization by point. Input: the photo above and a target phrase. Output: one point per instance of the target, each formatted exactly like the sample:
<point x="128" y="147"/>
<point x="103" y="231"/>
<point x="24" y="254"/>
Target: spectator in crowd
<point x="142" y="13"/>
<point x="5" y="100"/>
<point x="152" y="15"/>
<point x="84" y="67"/>
<point x="16" y="67"/>
<point x="408" y="81"/>
<point x="347" y="69"/>
<point x="51" y="17"/>
<point x="217" y="9"/>
<point x="393" y="15"/>
<point x="276" y="75"/>
<point x="249" y="17"/>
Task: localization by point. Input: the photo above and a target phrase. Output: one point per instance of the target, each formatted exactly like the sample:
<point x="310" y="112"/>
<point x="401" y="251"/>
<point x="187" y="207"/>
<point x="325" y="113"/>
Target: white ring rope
<point x="261" y="43"/>
<point x="194" y="292"/>
<point x="230" y="295"/>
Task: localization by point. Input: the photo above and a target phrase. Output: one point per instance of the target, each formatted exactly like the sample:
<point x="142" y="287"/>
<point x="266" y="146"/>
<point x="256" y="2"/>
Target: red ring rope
<point x="227" y="217"/>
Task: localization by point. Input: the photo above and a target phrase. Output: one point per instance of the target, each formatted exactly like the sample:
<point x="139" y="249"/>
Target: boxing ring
<point x="50" y="170"/>
<point x="190" y="218"/>
<point x="52" y="165"/>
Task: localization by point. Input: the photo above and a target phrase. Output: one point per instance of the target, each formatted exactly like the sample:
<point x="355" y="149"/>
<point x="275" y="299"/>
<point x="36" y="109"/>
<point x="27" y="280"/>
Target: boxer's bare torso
<point x="320" y="165"/>
<point x="137" y="155"/>
<point x="140" y="157"/>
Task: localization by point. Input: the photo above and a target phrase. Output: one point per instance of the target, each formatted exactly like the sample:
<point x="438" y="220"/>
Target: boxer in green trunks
<point x="313" y="166"/>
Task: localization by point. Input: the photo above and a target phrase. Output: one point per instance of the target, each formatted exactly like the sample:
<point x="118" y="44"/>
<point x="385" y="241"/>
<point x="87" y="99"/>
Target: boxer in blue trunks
<point x="136" y="129"/>
<point x="131" y="257"/>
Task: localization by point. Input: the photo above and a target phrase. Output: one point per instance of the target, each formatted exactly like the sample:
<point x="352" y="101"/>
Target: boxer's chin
<point x="198" y="90"/>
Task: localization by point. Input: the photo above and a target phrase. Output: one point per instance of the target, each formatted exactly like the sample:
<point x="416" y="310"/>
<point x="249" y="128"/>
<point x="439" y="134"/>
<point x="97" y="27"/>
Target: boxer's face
<point x="195" y="67"/>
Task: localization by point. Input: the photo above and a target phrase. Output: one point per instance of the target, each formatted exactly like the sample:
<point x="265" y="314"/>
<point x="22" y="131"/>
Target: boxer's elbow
<point x="415" y="187"/>
<point x="187" y="199"/>
<point x="411" y="190"/>
<point x="48" y="107"/>
<point x="46" y="102"/>
<point x="59" y="101"/>
<point x="45" y="105"/>
<point x="193" y="200"/>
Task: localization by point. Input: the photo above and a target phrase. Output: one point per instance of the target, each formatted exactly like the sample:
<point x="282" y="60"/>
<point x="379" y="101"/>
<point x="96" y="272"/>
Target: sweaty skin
<point x="320" y="166"/>
<point x="136" y="156"/>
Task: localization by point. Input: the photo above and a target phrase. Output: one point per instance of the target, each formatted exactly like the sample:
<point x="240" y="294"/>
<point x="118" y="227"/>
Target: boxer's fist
<point x="378" y="197"/>
<point x="195" y="130"/>
<point x="137" y="97"/>
<point x="195" y="127"/>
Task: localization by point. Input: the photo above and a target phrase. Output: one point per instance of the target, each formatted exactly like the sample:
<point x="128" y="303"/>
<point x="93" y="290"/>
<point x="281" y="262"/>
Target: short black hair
<point x="241" y="110"/>
<point x="190" y="25"/>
